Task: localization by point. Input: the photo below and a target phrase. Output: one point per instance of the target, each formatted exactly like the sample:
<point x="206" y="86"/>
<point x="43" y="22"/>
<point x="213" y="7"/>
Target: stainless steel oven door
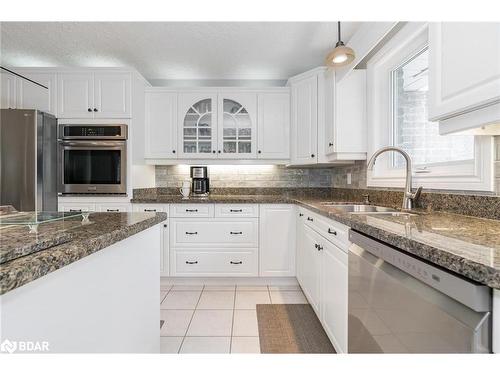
<point x="93" y="167"/>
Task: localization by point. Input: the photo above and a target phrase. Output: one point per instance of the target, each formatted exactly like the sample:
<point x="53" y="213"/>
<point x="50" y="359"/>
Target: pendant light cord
<point x="338" y="24"/>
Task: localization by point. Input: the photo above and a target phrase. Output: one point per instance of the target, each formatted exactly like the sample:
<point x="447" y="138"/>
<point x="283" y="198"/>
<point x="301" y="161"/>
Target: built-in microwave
<point x="92" y="159"/>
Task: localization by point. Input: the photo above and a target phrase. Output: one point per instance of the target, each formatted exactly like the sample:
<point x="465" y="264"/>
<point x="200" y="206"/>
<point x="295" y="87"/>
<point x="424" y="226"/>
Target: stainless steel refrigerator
<point x="28" y="177"/>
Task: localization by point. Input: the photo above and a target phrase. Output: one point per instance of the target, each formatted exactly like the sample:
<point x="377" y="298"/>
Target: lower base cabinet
<point x="164" y="252"/>
<point x="322" y="274"/>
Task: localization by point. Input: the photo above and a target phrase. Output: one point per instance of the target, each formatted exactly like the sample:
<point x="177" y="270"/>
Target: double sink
<point x="356" y="208"/>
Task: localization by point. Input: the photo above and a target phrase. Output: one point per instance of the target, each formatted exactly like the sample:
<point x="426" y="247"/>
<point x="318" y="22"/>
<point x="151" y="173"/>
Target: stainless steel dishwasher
<point x="401" y="304"/>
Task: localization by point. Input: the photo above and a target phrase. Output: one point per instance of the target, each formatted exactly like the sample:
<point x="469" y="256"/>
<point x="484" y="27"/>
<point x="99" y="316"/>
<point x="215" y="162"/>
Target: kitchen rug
<point x="291" y="328"/>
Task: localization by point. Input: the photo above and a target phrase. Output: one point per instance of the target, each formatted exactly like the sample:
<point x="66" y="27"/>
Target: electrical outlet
<point x="349" y="179"/>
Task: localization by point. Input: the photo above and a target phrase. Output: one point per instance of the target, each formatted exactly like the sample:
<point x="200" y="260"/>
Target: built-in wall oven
<point x="92" y="159"/>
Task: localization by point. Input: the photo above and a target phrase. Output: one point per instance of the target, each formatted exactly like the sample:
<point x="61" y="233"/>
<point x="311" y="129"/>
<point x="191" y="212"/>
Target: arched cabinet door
<point x="198" y="125"/>
<point x="237" y="130"/>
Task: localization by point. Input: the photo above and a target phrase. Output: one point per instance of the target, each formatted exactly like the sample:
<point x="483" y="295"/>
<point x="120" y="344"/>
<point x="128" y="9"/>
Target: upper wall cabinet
<point x="22" y="94"/>
<point x="197" y="117"/>
<point x="328" y="117"/>
<point x="221" y="124"/>
<point x="94" y="95"/>
<point x="459" y="85"/>
<point x="161" y="124"/>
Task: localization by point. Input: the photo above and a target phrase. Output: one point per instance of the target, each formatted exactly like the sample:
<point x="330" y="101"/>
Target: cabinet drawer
<point x="112" y="207"/>
<point x="333" y="231"/>
<point x="154" y="207"/>
<point x="214" y="233"/>
<point x="192" y="210"/>
<point x="236" y="210"/>
<point x="215" y="264"/>
<point x="76" y="207"/>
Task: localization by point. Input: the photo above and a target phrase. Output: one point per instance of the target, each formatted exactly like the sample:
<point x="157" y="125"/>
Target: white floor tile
<point x="206" y="345"/>
<point x="187" y="287"/>
<point x="261" y="288"/>
<point x="181" y="300"/>
<point x="249" y="299"/>
<point x="170" y="345"/>
<point x="227" y="288"/>
<point x="284" y="287"/>
<point x="215" y="300"/>
<point x="245" y="323"/>
<point x="176" y="322"/>
<point x="287" y="296"/>
<point x="211" y="323"/>
<point x="245" y="345"/>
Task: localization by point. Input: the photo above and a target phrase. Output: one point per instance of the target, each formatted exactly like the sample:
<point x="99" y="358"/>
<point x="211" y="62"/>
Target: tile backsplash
<point x="269" y="176"/>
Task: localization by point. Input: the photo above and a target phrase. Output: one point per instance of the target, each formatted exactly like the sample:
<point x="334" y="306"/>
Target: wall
<point x="271" y="176"/>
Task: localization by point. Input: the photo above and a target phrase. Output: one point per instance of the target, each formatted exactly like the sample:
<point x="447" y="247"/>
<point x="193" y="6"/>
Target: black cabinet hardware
<point x="173" y="151"/>
<point x="300" y="215"/>
<point x="236" y="232"/>
<point x="95" y="109"/>
<point x="312" y="155"/>
<point x="332" y="232"/>
<point x="188" y="262"/>
<point x="191" y="233"/>
<point x="235" y="210"/>
<point x="89" y="109"/>
<point x="188" y="210"/>
<point x="164" y="225"/>
<point x="72" y="210"/>
<point x="330" y="144"/>
<point x="320" y="248"/>
<point x="240" y="262"/>
<point x="110" y="210"/>
<point x="150" y="210"/>
<point x="260" y="152"/>
<point x="218" y="151"/>
<point x="213" y="151"/>
<point x="310" y="219"/>
<point x="316" y="245"/>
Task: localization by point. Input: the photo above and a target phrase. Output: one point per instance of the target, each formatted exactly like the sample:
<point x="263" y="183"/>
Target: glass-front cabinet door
<point x="198" y="117"/>
<point x="237" y="125"/>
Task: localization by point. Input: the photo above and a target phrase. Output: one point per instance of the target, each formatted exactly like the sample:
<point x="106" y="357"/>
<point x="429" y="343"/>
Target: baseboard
<point x="229" y="280"/>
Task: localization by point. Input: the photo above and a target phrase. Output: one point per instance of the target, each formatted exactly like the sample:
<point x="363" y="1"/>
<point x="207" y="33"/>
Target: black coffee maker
<point x="199" y="181"/>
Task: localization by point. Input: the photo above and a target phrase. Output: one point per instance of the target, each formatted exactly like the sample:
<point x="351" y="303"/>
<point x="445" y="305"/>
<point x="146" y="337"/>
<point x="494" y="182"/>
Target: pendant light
<point x="341" y="55"/>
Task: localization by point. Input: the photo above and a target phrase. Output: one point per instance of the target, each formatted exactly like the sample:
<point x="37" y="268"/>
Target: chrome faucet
<point x="409" y="198"/>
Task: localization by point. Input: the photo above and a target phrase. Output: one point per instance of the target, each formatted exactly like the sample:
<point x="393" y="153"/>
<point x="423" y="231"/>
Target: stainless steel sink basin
<point x="360" y="208"/>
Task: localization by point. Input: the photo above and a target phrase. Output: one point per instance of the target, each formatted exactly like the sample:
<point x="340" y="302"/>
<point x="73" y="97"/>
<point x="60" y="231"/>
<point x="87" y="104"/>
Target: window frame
<point x="475" y="174"/>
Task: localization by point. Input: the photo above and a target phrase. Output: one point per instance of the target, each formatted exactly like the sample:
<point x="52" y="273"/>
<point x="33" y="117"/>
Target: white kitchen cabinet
<point x="277" y="240"/>
<point x="94" y="94"/>
<point x="165" y="253"/>
<point x="304" y="120"/>
<point x="460" y="85"/>
<point x="345" y="122"/>
<point x="197" y="118"/>
<point x="112" y="97"/>
<point x="237" y="125"/>
<point x="31" y="96"/>
<point x="153" y="207"/>
<point x="8" y="91"/>
<point x="76" y="207"/>
<point x="334" y="289"/>
<point x="300" y="245"/>
<point x="273" y="135"/>
<point x="161" y="124"/>
<point x="311" y="268"/>
<point x="113" y="207"/>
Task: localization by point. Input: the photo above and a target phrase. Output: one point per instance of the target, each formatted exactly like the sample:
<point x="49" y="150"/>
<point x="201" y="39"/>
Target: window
<point x="397" y="85"/>
<point x="411" y="130"/>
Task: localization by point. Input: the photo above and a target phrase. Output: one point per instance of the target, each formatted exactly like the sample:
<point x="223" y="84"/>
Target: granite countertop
<point x="104" y="229"/>
<point x="466" y="245"/>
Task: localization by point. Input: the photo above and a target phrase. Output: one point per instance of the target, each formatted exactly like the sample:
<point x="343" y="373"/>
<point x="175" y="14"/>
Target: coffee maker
<point x="199" y="181"/>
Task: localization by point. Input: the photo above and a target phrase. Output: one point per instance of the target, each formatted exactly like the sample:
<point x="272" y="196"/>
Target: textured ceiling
<point x="175" y="50"/>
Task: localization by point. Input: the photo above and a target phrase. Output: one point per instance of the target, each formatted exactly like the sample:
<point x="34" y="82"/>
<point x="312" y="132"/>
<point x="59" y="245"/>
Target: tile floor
<point x="216" y="319"/>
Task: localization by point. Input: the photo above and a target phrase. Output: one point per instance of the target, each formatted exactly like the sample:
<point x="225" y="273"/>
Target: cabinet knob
<point x="312" y="155"/>
<point x="164" y="225"/>
<point x="310" y="219"/>
<point x="300" y="215"/>
<point x="89" y="109"/>
<point x="173" y="151"/>
<point x="218" y="151"/>
<point x="95" y="109"/>
<point x="259" y="152"/>
<point x="213" y="151"/>
<point x="330" y="144"/>
<point x="332" y="232"/>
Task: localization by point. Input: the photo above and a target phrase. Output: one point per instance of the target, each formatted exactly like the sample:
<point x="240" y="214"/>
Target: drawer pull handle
<point x="110" y="210"/>
<point x="236" y="210"/>
<point x="188" y="210"/>
<point x="150" y="210"/>
<point x="300" y="215"/>
<point x="240" y="262"/>
<point x="310" y="219"/>
<point x="191" y="233"/>
<point x="236" y="232"/>
<point x="73" y="210"/>
<point x="188" y="262"/>
<point x="332" y="232"/>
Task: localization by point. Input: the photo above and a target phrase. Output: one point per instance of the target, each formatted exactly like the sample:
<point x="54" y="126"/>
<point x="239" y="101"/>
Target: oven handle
<point x="92" y="144"/>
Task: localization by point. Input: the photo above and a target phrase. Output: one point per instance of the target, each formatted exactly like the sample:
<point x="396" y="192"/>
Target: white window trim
<point x="474" y="174"/>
